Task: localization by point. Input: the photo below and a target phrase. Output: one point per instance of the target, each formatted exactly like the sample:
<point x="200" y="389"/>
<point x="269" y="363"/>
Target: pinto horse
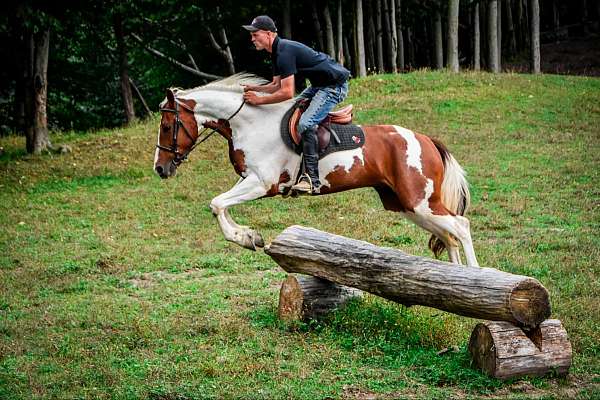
<point x="413" y="174"/>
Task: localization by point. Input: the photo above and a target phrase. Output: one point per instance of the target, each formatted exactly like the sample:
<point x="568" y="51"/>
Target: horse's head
<point x="177" y="134"/>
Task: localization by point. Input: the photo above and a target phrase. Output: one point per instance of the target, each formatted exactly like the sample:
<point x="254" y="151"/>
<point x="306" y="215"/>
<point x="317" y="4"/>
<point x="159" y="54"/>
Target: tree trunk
<point x="347" y="53"/>
<point x="340" y="34"/>
<point x="305" y="298"/>
<point x="360" y="40"/>
<point x="287" y="21"/>
<point x="317" y="25"/>
<point x="510" y="26"/>
<point x="505" y="351"/>
<point x="126" y="94"/>
<point x="379" y="35"/>
<point x="226" y="51"/>
<point x="21" y="63"/>
<point x="439" y="47"/>
<point x="394" y="33"/>
<point x="476" y="39"/>
<point x="535" y="36"/>
<point x="499" y="29"/>
<point x="139" y="94"/>
<point x="470" y="291"/>
<point x="400" y="60"/>
<point x="390" y="61"/>
<point x="371" y="37"/>
<point x="452" y="49"/>
<point x="411" y="47"/>
<point x="329" y="31"/>
<point x="493" y="36"/>
<point x="36" y="94"/>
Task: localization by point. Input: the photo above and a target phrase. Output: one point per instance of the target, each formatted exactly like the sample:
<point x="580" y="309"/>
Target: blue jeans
<point x="324" y="99"/>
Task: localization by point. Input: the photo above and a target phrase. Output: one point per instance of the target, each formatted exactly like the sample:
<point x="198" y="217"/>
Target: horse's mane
<point x="233" y="83"/>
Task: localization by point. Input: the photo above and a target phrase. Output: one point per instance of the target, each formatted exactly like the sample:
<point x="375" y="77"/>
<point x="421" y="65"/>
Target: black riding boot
<point x="310" y="146"/>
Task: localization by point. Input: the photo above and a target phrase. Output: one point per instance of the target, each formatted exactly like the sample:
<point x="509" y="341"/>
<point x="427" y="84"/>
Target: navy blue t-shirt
<point x="290" y="57"/>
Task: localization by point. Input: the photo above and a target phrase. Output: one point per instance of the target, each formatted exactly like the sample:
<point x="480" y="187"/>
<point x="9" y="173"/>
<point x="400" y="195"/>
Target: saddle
<point x="342" y="116"/>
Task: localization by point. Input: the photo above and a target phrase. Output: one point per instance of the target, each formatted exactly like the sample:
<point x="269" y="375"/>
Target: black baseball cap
<point x="261" y="23"/>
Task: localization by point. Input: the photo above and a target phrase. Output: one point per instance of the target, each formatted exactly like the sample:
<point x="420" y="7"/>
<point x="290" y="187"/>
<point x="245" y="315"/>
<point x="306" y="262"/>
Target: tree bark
<point x="439" y="47"/>
<point x="304" y="298"/>
<point x="21" y="63"/>
<point x="36" y="94"/>
<point x="493" y="36"/>
<point x="317" y="25"/>
<point x="452" y="49"/>
<point x="474" y="292"/>
<point x="499" y="29"/>
<point x="400" y="60"/>
<point x="535" y="36"/>
<point x="411" y="46"/>
<point x="340" y="34"/>
<point x="379" y="37"/>
<point x="394" y="33"/>
<point x="505" y="351"/>
<point x="287" y="21"/>
<point x="476" y="39"/>
<point x="360" y="40"/>
<point x="370" y="38"/>
<point x="510" y="27"/>
<point x="126" y="94"/>
<point x="329" y="31"/>
<point x="390" y="61"/>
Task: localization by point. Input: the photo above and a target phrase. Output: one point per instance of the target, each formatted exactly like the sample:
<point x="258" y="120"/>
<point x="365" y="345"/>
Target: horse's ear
<point x="170" y="96"/>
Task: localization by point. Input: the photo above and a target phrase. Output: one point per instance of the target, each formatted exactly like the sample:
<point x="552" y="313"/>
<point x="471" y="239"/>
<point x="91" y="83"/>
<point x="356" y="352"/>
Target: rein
<point x="180" y="157"/>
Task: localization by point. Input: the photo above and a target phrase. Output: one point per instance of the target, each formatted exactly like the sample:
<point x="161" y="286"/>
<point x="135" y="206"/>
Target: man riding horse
<point x="329" y="86"/>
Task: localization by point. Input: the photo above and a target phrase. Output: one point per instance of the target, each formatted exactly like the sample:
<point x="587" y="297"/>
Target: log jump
<point x="521" y="343"/>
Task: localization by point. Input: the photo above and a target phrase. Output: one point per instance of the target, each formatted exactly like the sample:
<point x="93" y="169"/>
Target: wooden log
<point x="303" y="298"/>
<point x="484" y="293"/>
<point x="505" y="351"/>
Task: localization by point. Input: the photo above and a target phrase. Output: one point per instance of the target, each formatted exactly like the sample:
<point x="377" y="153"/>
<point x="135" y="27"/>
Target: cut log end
<point x="303" y="298"/>
<point x="529" y="303"/>
<point x="503" y="350"/>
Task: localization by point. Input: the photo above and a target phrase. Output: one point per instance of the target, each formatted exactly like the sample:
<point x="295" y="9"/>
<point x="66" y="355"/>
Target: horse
<point x="414" y="175"/>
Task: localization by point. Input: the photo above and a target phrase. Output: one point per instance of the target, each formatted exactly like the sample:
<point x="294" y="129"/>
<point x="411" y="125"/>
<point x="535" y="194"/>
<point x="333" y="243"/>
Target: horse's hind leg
<point x="457" y="227"/>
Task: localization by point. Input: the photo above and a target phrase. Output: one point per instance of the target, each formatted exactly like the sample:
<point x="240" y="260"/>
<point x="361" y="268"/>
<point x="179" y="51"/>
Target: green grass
<point x="115" y="284"/>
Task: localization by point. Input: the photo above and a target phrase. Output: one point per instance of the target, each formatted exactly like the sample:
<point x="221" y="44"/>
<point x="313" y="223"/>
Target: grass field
<point x="115" y="284"/>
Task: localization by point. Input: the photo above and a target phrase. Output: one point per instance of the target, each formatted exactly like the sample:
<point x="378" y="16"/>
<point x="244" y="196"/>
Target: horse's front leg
<point x="250" y="188"/>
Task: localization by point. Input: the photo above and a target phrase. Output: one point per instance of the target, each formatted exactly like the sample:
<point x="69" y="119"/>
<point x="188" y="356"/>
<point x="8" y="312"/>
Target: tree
<point x="317" y="25"/>
<point x="439" y="48"/>
<point x="452" y="49"/>
<point x="360" y="41"/>
<point x="379" y="36"/>
<point x="535" y="36"/>
<point x="123" y="67"/>
<point x="329" y="31"/>
<point x="476" y="39"/>
<point x="340" y="34"/>
<point x="493" y="36"/>
<point x="399" y="35"/>
<point x="394" y="33"/>
<point x="287" y="20"/>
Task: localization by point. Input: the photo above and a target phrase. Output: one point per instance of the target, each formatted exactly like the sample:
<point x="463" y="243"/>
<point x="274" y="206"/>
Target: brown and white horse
<point x="413" y="174"/>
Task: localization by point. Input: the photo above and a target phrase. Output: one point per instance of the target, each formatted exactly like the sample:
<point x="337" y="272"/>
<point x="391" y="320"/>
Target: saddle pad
<point x="351" y="136"/>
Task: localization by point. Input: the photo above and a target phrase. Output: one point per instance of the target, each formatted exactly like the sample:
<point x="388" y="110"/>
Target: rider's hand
<point x="252" y="98"/>
<point x="248" y="88"/>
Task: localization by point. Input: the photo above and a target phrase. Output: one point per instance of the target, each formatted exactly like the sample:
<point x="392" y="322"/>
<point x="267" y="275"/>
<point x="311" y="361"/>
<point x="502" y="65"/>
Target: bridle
<point x="179" y="156"/>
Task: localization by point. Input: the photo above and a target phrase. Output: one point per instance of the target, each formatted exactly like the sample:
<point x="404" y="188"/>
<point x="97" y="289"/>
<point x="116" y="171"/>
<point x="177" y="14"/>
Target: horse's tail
<point x="455" y="191"/>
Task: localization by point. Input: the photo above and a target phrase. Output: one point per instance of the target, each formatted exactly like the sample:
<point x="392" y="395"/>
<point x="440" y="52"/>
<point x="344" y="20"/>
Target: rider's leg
<point x="323" y="101"/>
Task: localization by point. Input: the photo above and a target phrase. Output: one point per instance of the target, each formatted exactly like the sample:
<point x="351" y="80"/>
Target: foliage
<point x="114" y="284"/>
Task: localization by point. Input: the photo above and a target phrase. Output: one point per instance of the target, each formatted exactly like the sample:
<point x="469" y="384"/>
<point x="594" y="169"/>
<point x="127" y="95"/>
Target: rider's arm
<point x="284" y="92"/>
<point x="268" y="88"/>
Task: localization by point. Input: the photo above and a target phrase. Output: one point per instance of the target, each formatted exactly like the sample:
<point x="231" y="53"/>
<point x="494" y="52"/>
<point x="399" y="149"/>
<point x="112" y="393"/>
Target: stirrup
<point x="304" y="185"/>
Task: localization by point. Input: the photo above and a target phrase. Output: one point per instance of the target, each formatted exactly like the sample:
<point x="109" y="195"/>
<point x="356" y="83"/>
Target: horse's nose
<point x="159" y="170"/>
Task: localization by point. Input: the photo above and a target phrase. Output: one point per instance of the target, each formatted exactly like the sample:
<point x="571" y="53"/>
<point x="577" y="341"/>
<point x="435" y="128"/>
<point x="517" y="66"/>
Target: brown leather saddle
<point x="342" y="116"/>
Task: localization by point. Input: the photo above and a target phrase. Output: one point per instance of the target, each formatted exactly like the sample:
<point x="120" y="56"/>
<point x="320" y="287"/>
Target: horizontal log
<point x="484" y="293"/>
<point x="303" y="298"/>
<point x="503" y="350"/>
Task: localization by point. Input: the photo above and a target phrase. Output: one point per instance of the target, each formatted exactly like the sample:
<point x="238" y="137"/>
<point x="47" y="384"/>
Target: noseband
<point x="179" y="156"/>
